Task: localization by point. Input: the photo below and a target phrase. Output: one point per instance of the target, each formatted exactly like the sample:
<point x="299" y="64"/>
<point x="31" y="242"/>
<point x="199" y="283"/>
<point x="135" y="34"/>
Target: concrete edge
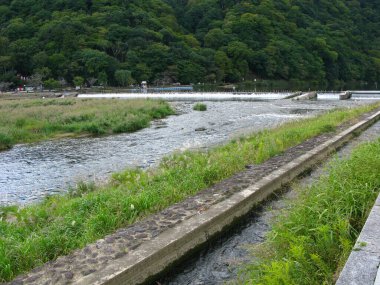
<point x="345" y="96"/>
<point x="306" y="96"/>
<point x="296" y="94"/>
<point x="377" y="281"/>
<point x="362" y="266"/>
<point x="156" y="255"/>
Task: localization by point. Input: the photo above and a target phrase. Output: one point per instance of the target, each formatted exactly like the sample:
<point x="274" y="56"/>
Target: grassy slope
<point x="63" y="223"/>
<point x="37" y="119"/>
<point x="314" y="236"/>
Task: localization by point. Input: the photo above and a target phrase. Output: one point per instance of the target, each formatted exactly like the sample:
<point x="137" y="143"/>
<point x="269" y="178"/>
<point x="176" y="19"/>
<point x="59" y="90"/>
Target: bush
<point x="132" y="125"/>
<point x="200" y="107"/>
<point x="93" y="128"/>
<point x="313" y="238"/>
<point x="6" y="142"/>
<point x="51" y="84"/>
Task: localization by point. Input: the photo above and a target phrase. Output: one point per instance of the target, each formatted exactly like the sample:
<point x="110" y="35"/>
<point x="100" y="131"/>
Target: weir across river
<point x="241" y="96"/>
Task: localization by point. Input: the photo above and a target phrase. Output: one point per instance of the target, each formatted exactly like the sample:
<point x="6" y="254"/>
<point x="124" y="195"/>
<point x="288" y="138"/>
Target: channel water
<point x="221" y="259"/>
<point x="29" y="172"/>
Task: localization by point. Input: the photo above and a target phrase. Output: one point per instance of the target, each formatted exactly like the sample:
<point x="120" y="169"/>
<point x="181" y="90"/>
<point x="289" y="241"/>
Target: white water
<point x="192" y="96"/>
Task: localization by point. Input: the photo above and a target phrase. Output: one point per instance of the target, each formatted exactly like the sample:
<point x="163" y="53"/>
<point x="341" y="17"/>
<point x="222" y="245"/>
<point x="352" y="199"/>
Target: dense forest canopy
<point x="119" y="42"/>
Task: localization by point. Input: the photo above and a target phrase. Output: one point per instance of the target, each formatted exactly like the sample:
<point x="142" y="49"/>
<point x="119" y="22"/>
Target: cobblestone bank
<point x="96" y="256"/>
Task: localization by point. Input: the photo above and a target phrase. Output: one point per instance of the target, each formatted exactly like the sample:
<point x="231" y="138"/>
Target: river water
<point x="29" y="172"/>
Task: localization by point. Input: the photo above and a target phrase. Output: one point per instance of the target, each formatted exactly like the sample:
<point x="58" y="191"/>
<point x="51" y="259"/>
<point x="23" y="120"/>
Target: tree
<point x="35" y="80"/>
<point x="97" y="64"/>
<point x="91" y="81"/>
<point x="103" y="78"/>
<point x="123" y="77"/>
<point x="51" y="84"/>
<point x="223" y="64"/>
<point x="225" y="40"/>
<point x="4" y="86"/>
<point x="89" y="6"/>
<point x="78" y="81"/>
<point x="216" y="38"/>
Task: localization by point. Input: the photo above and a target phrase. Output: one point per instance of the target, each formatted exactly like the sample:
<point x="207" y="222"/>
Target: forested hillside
<point x="118" y="42"/>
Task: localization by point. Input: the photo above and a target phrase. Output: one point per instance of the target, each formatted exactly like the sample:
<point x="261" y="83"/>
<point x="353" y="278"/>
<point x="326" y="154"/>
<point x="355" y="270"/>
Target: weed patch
<point x="200" y="107"/>
<point x="313" y="238"/>
<point x="6" y="141"/>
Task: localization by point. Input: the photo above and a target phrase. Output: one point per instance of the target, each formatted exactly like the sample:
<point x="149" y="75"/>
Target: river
<point x="29" y="172"/>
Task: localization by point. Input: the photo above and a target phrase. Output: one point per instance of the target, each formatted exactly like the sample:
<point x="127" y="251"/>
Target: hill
<point x="118" y="42"/>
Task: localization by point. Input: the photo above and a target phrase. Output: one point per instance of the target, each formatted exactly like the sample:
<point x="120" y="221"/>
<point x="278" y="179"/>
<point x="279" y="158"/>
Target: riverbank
<point x="312" y="238"/>
<point x="30" y="120"/>
<point x="36" y="234"/>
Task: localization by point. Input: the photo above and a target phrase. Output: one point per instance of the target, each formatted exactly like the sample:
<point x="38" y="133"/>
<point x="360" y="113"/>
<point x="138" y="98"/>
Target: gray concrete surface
<point x="362" y="267"/>
<point x="345" y="96"/>
<point x="306" y="96"/>
<point x="377" y="282"/>
<point x="291" y="96"/>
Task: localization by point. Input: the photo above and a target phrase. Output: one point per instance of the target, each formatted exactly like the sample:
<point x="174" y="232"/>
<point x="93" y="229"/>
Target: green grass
<point x="30" y="120"/>
<point x="35" y="234"/>
<point x="312" y="239"/>
<point x="200" y="107"/>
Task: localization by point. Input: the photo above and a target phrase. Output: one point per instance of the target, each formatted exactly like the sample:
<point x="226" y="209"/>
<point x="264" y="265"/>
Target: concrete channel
<point x="136" y="254"/>
<point x="220" y="261"/>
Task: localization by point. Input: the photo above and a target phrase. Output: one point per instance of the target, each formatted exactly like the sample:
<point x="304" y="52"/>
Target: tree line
<point x="122" y="42"/>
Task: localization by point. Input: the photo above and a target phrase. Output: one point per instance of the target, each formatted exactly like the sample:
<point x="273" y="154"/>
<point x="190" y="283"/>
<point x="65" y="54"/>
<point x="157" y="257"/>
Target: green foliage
<point x="51" y="84"/>
<point x="6" y="141"/>
<point x="313" y="238"/>
<point x="78" y="81"/>
<point x="62" y="224"/>
<point x="200" y="107"/>
<point x="123" y="77"/>
<point x="190" y="41"/>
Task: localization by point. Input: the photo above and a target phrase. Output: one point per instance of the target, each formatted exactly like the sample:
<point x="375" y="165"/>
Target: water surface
<point x="29" y="172"/>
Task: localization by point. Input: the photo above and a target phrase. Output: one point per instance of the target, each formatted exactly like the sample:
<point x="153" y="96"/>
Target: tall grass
<point x="38" y="119"/>
<point x="35" y="234"/>
<point x="312" y="238"/>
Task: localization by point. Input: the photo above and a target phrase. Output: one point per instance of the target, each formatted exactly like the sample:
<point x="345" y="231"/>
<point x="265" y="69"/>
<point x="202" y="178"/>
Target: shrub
<point x="6" y="142"/>
<point x="200" y="107"/>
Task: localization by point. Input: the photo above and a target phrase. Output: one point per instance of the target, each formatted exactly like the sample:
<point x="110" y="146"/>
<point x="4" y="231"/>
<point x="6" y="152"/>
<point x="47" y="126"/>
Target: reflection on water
<point x="30" y="172"/>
